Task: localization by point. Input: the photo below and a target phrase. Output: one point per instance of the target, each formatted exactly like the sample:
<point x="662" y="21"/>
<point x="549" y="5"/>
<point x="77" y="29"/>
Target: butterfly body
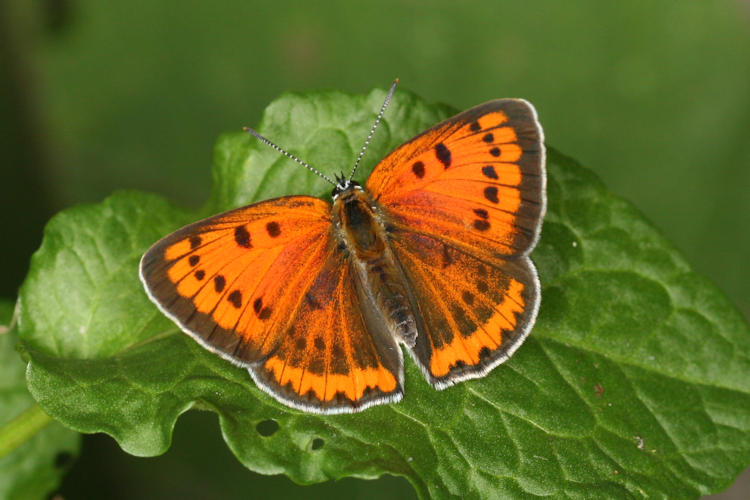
<point x="315" y="299"/>
<point x="379" y="280"/>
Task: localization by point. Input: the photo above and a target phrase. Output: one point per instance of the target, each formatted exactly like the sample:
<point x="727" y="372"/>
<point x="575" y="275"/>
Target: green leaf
<point x="34" y="450"/>
<point x="635" y="381"/>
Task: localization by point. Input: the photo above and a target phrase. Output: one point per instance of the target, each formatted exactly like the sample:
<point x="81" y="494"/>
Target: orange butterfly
<point x="314" y="298"/>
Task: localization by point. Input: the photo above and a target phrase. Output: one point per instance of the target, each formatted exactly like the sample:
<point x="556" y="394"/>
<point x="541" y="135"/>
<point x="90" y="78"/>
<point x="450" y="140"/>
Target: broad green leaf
<point x="635" y="381"/>
<point x="38" y="449"/>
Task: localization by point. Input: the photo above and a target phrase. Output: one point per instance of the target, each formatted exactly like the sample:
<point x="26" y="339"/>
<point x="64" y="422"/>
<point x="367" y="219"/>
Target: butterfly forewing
<point x="230" y="281"/>
<point x="476" y="180"/>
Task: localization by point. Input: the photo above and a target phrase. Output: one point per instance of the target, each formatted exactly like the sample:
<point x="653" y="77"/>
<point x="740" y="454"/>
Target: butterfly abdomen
<point x="386" y="282"/>
<point x="380" y="280"/>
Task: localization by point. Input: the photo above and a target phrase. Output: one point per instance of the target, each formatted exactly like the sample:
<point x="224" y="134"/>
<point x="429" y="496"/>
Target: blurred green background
<point x="99" y="96"/>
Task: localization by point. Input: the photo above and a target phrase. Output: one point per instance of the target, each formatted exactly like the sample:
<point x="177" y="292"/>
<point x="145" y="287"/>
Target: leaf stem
<point x="22" y="428"/>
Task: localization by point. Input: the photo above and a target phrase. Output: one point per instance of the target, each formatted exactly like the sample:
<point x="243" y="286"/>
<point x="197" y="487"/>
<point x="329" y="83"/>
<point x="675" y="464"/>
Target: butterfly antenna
<point x="288" y="154"/>
<point x="374" y="126"/>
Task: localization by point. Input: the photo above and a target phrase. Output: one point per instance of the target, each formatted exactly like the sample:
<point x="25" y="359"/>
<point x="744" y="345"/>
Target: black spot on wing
<point x="294" y="357"/>
<point x="260" y="311"/>
<point x="273" y="229"/>
<point x="319" y="343"/>
<point x="339" y="363"/>
<point x="235" y="298"/>
<point x="195" y="242"/>
<point x="265" y="313"/>
<point x="465" y="325"/>
<point x="489" y="172"/>
<point x="483" y="313"/>
<point x="317" y="366"/>
<point x="481" y="225"/>
<point x="418" y="169"/>
<point x="490" y="193"/>
<point x="443" y="154"/>
<point x="219" y="283"/>
<point x="242" y="237"/>
<point x="481" y="213"/>
<point x="193" y="260"/>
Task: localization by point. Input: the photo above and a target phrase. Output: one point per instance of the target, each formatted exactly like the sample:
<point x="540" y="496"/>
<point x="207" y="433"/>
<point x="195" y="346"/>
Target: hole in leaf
<point x="317" y="444"/>
<point x="63" y="459"/>
<point x="267" y="428"/>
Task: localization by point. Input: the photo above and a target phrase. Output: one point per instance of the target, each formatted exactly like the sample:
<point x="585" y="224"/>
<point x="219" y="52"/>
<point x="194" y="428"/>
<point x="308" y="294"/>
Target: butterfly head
<point x="343" y="184"/>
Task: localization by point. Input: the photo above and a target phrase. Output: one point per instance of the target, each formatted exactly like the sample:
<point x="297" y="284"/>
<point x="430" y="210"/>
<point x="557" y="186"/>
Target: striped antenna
<point x="374" y="126"/>
<point x="288" y="155"/>
<point x="343" y="183"/>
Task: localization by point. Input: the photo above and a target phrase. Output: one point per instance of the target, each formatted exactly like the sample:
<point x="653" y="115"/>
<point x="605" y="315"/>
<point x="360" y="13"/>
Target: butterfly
<point x="315" y="298"/>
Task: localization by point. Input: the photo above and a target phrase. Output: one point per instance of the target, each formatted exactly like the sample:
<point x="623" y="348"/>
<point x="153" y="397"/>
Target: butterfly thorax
<point x="360" y="229"/>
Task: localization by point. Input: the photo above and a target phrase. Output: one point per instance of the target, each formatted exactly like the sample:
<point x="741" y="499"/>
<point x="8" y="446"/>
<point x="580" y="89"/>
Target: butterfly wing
<point x="473" y="311"/>
<point x="464" y="202"/>
<point x="328" y="360"/>
<point x="476" y="180"/>
<point x="265" y="287"/>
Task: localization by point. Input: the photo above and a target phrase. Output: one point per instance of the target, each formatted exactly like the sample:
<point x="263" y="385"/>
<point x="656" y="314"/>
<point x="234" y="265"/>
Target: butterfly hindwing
<point x="476" y="180"/>
<point x="328" y="360"/>
<point x="473" y="311"/>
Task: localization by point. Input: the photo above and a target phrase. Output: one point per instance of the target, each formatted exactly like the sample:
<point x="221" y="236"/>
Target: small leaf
<point x="33" y="468"/>
<point x="634" y="382"/>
